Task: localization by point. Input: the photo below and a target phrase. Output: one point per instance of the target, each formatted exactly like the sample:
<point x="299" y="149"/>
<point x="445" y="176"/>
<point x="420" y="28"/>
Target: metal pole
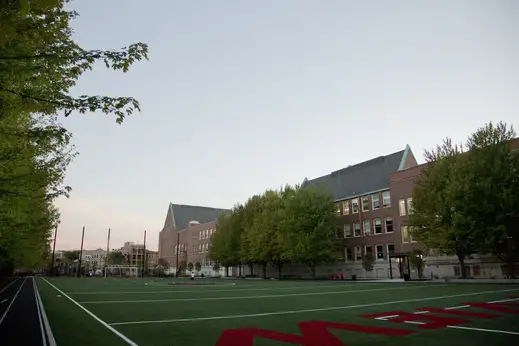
<point x="53" y="251"/>
<point x="144" y="255"/>
<point x="81" y="252"/>
<point x="107" y="248"/>
<point x="178" y="251"/>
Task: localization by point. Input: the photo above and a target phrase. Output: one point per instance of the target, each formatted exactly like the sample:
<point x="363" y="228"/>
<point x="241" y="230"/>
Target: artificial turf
<point x="151" y="312"/>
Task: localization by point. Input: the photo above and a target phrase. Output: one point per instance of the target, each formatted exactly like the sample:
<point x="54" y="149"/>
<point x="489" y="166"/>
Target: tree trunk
<point x="251" y="267"/>
<point x="461" y="259"/>
<point x="280" y="267"/>
<point x="226" y="271"/>
<point x="264" y="267"/>
<point x="312" y="268"/>
<point x="239" y="270"/>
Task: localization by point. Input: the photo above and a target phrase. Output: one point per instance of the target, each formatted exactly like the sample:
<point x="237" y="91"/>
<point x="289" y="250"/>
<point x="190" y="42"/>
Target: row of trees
<point x="278" y="227"/>
<point x="467" y="199"/>
<point x="39" y="64"/>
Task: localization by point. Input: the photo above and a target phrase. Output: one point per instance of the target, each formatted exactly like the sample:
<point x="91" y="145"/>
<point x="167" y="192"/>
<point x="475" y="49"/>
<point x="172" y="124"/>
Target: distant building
<point x="94" y="259"/>
<point x="186" y="235"/>
<point x="134" y="254"/>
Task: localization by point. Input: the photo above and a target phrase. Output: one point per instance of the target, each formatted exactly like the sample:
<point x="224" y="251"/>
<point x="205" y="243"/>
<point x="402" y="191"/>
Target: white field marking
<point x="12" y="301"/>
<point x="122" y="336"/>
<point x="249" y="297"/>
<point x="225" y="290"/>
<point x="46" y="324"/>
<point x="43" y="338"/>
<point x="8" y="286"/>
<point x="310" y="310"/>
<point x="485" y="330"/>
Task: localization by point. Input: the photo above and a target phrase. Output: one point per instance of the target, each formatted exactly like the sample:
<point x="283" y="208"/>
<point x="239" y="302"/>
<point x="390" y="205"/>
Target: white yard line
<point x="113" y="330"/>
<point x="6" y="287"/>
<point x="46" y="324"/>
<point x="225" y="290"/>
<point x="12" y="301"/>
<point x="310" y="310"/>
<point x="484" y="330"/>
<point x="42" y="328"/>
<point x="250" y="297"/>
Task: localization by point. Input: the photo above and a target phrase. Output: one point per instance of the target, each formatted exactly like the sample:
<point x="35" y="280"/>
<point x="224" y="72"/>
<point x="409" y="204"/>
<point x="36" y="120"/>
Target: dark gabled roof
<point x="184" y="214"/>
<point x="362" y="178"/>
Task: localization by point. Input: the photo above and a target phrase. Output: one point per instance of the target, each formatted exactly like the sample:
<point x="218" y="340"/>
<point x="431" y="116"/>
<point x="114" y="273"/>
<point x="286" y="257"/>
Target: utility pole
<point x="81" y="252"/>
<point x="107" y="249"/>
<point x="178" y="252"/>
<point x="53" y="251"/>
<point x="144" y="255"/>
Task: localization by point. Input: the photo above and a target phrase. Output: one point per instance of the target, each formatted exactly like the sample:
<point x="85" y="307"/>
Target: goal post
<point x="119" y="270"/>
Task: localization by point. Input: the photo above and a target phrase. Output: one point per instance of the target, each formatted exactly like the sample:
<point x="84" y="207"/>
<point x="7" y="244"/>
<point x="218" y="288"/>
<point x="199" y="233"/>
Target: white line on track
<point x="112" y="329"/>
<point x="6" y="287"/>
<point x="310" y="310"/>
<point x="251" y="297"/>
<point x="12" y="301"/>
<point x="224" y="290"/>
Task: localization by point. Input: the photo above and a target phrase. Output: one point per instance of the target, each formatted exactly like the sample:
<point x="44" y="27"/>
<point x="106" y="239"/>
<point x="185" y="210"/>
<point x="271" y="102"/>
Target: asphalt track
<point x="20" y="320"/>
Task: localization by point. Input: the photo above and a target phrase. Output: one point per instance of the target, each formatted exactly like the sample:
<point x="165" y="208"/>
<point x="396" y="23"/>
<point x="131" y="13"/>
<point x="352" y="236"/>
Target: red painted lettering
<point x="427" y="321"/>
<point x="314" y="333"/>
<point x="459" y="313"/>
<point x="495" y="307"/>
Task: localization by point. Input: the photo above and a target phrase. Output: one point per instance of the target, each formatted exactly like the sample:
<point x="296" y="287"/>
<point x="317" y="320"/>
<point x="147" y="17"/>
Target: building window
<point x="405" y="234"/>
<point x="347" y="231"/>
<point x="380" y="251"/>
<point x="367" y="227"/>
<point x="349" y="255"/>
<point x="338" y="208"/>
<point x="365" y="203"/>
<point x="386" y="199"/>
<point x="389" y="225"/>
<point x="338" y="233"/>
<point x="368" y="250"/>
<point x="401" y="207"/>
<point x="375" y="201"/>
<point x="457" y="271"/>
<point x="410" y="205"/>
<point x="356" y="229"/>
<point x="345" y="208"/>
<point x="355" y="206"/>
<point x="411" y="240"/>
<point x="390" y="248"/>
<point x="358" y="253"/>
<point x="377" y="225"/>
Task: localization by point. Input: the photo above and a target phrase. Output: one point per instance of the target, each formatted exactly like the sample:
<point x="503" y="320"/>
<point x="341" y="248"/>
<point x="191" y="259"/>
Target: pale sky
<point x="240" y="96"/>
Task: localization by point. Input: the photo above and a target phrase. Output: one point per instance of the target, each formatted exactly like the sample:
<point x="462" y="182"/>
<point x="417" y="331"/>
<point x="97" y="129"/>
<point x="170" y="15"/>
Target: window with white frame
<point x="379" y="249"/>
<point x="349" y="255"/>
<point x="411" y="240"/>
<point x="355" y="205"/>
<point x="405" y="234"/>
<point x="368" y="250"/>
<point x="356" y="229"/>
<point x="377" y="226"/>
<point x="390" y="248"/>
<point x="375" y="201"/>
<point x="366" y="225"/>
<point x="345" y="208"/>
<point x="386" y="199"/>
<point x="338" y="208"/>
<point x="358" y="253"/>
<point x="389" y="224"/>
<point x="401" y="207"/>
<point x="365" y="203"/>
<point x="410" y="205"/>
<point x="347" y="231"/>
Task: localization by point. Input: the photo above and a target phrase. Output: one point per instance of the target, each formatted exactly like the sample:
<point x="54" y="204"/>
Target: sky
<point x="241" y="96"/>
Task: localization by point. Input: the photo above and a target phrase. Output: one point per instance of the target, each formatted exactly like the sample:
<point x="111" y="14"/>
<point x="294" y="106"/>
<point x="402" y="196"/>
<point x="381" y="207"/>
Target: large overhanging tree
<point x="39" y="64"/>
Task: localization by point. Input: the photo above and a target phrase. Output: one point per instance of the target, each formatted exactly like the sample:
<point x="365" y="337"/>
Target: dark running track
<point x="20" y="320"/>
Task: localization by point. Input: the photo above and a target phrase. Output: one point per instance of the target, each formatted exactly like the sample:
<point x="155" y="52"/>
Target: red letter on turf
<point x="314" y="333"/>
<point x="459" y="313"/>
<point x="428" y="321"/>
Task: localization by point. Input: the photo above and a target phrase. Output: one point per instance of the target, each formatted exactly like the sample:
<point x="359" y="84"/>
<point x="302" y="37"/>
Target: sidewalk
<point x="21" y="323"/>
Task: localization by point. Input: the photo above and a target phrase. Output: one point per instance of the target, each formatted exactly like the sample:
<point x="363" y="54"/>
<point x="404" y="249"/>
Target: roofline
<point x="404" y="157"/>
<point x="361" y="194"/>
<point x="200" y="224"/>
<point x="172" y="215"/>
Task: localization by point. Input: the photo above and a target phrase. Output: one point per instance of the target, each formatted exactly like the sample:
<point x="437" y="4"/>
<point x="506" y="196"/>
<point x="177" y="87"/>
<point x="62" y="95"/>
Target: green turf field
<point x="147" y="312"/>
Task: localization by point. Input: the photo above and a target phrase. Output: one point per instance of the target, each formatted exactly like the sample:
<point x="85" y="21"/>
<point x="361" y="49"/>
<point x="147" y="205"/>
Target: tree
<point x="162" y="262"/>
<point x="190" y="266"/>
<point x="308" y="227"/>
<point x="216" y="267"/>
<point x="117" y="258"/>
<point x="198" y="266"/>
<point x="417" y="262"/>
<point x="368" y="262"/>
<point x="71" y="256"/>
<point x="39" y="64"/>
<point x="435" y="220"/>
